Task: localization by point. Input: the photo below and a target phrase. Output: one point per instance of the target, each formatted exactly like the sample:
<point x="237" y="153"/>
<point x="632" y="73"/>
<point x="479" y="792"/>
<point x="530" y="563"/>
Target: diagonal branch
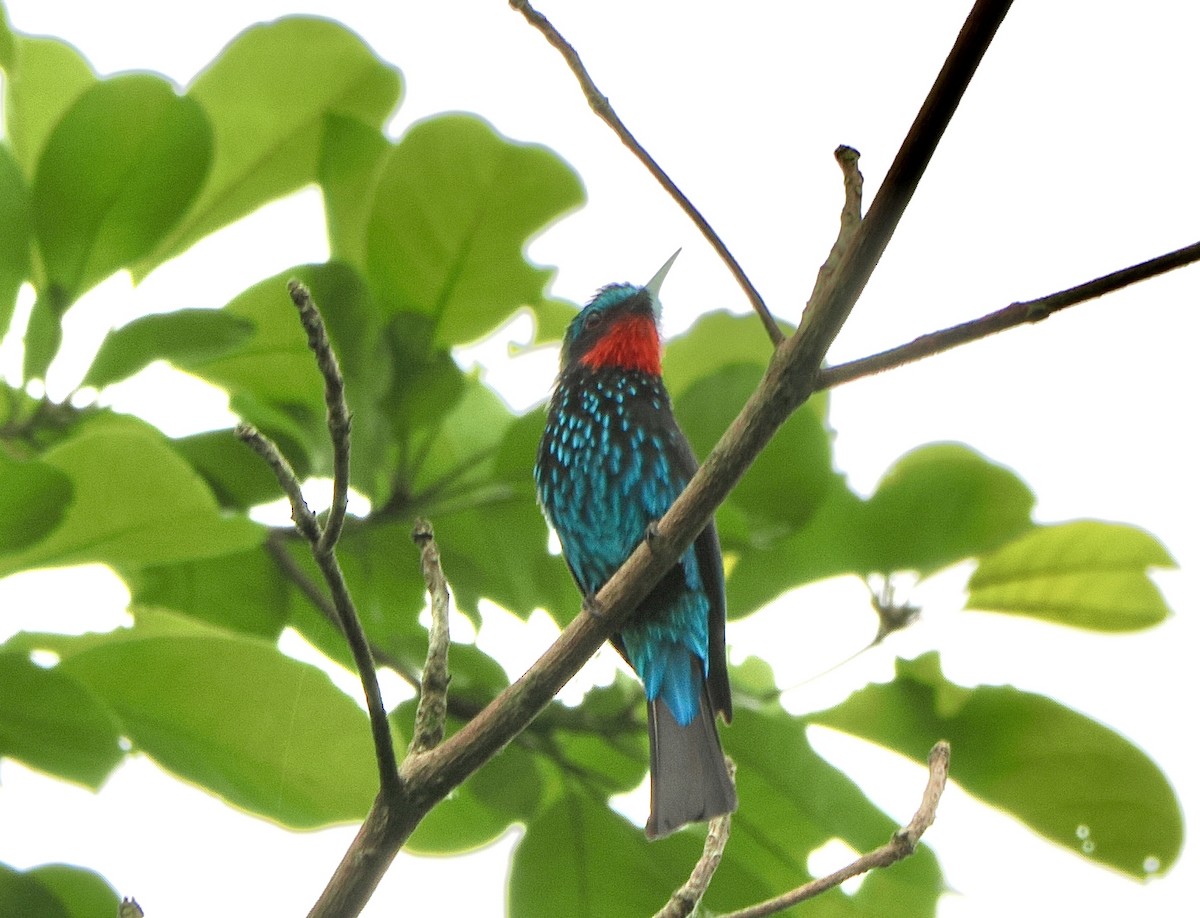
<point x="898" y="847"/>
<point x="603" y="108"/>
<point x="789" y="381"/>
<point x="1009" y="317"/>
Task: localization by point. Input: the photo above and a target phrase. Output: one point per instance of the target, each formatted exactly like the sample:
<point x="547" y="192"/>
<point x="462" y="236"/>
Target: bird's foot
<point x="591" y="606"/>
<point x="652" y="535"/>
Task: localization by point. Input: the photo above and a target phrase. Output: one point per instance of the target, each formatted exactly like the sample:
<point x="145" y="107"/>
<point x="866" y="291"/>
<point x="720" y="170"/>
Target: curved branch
<point x="603" y="108"/>
<point x="898" y="847"/>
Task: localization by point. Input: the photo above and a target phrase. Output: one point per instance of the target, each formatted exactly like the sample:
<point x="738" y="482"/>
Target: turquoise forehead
<point x="606" y="298"/>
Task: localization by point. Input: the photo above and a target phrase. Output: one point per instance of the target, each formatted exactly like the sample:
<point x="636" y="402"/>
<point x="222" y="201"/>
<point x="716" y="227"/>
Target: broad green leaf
<point x="788" y="479"/>
<point x="273" y="378"/>
<point x="117" y="173"/>
<point x="46" y="77"/>
<point x="136" y="502"/>
<point x="939" y="504"/>
<point x="7" y="45"/>
<point x="52" y="722"/>
<point x="15" y="234"/>
<point x="352" y="157"/>
<point x="238" y="477"/>
<point x="267" y="96"/>
<point x="181" y="338"/>
<point x="791" y="802"/>
<point x="1087" y="573"/>
<point x="717" y="338"/>
<point x="455" y="206"/>
<point x="578" y="857"/>
<point x="244" y="592"/>
<point x="1069" y="778"/>
<point x="551" y="318"/>
<point x="234" y="715"/>
<point x="25" y="895"/>
<point x="83" y="893"/>
<point x="43" y="334"/>
<point x="34" y="497"/>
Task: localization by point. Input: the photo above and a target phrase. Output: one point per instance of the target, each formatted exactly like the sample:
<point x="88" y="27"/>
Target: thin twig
<point x="601" y="106"/>
<point x="323" y="540"/>
<point x="684" y="900"/>
<point x="898" y="847"/>
<point x="435" y="679"/>
<point x="1002" y="319"/>
<point x="302" y="516"/>
<point x="337" y="413"/>
<point x="852" y="180"/>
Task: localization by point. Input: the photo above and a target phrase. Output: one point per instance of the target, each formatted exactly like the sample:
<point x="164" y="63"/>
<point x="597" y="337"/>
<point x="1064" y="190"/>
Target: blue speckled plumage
<point x="612" y="460"/>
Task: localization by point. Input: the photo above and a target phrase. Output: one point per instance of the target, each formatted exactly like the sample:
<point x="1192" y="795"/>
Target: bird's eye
<point x="592" y="320"/>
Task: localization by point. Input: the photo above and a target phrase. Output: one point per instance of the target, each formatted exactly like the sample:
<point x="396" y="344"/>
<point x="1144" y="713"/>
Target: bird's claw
<point x="591" y="606"/>
<point x="652" y="534"/>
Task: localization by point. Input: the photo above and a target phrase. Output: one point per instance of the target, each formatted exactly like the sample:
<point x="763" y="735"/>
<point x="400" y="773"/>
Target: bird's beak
<point x="655" y="283"/>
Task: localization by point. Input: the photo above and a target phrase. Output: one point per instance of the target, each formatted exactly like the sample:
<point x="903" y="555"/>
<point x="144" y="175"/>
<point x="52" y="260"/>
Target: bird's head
<point x="619" y="328"/>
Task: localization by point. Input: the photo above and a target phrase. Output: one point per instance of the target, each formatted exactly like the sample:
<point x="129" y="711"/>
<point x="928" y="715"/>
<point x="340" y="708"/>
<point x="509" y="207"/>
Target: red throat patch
<point x="631" y="344"/>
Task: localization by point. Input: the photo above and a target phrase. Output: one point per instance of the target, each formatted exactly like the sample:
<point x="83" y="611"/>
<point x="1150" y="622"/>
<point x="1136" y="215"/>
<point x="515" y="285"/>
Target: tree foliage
<point x="427" y="234"/>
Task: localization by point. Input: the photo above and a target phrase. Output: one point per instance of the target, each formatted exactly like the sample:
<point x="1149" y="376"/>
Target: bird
<point x="611" y="461"/>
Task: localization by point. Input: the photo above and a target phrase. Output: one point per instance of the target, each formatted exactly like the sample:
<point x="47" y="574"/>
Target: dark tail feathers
<point x="688" y="779"/>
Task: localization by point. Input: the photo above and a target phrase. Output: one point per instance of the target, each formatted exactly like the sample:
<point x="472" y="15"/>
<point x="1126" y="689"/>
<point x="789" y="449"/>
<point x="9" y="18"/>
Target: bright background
<point x="1073" y="155"/>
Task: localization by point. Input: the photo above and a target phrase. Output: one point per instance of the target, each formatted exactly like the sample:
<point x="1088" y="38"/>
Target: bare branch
<point x="338" y="414"/>
<point x="302" y="516"/>
<point x="601" y="106"/>
<point x="435" y="680"/>
<point x="684" y="901"/>
<point x="847" y="158"/>
<point x="898" y="847"/>
<point x="322" y="540"/>
<point x="1009" y="317"/>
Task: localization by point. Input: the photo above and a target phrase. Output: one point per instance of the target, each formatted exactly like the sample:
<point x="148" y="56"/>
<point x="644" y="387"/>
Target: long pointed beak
<point x="655" y="283"/>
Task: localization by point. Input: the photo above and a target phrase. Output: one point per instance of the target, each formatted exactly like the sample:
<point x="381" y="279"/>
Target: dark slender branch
<point x="435" y="679"/>
<point x="324" y="605"/>
<point x="601" y="106"/>
<point x="900" y="846"/>
<point x="338" y="414"/>
<point x="684" y="900"/>
<point x="1009" y="317"/>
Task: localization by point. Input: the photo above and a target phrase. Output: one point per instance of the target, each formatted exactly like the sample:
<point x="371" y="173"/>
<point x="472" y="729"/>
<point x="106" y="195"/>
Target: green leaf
<point x="791" y="802"/>
<point x="788" y="480"/>
<point x="43" y="334"/>
<point x="182" y="338"/>
<point x="1072" y="780"/>
<point x="34" y="497"/>
<point x="939" y="504"/>
<point x="1088" y="574"/>
<point x="239" y="479"/>
<point x="234" y="715"/>
<point x="7" y="44"/>
<point x="267" y="95"/>
<point x="46" y="77"/>
<point x="24" y="895"/>
<point x="717" y="339"/>
<point x="136" y="503"/>
<point x="53" y="723"/>
<point x="454" y="208"/>
<point x="16" y="234"/>
<point x="353" y="154"/>
<point x="83" y="893"/>
<point x="116" y="174"/>
<point x="243" y="592"/>
<point x="578" y="857"/>
<point x="273" y="376"/>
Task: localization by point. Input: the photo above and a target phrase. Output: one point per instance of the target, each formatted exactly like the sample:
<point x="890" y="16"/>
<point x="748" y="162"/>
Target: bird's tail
<point x="688" y="778"/>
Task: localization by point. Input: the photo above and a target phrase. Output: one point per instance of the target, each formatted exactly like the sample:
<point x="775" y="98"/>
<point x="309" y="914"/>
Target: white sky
<point x="1073" y="155"/>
